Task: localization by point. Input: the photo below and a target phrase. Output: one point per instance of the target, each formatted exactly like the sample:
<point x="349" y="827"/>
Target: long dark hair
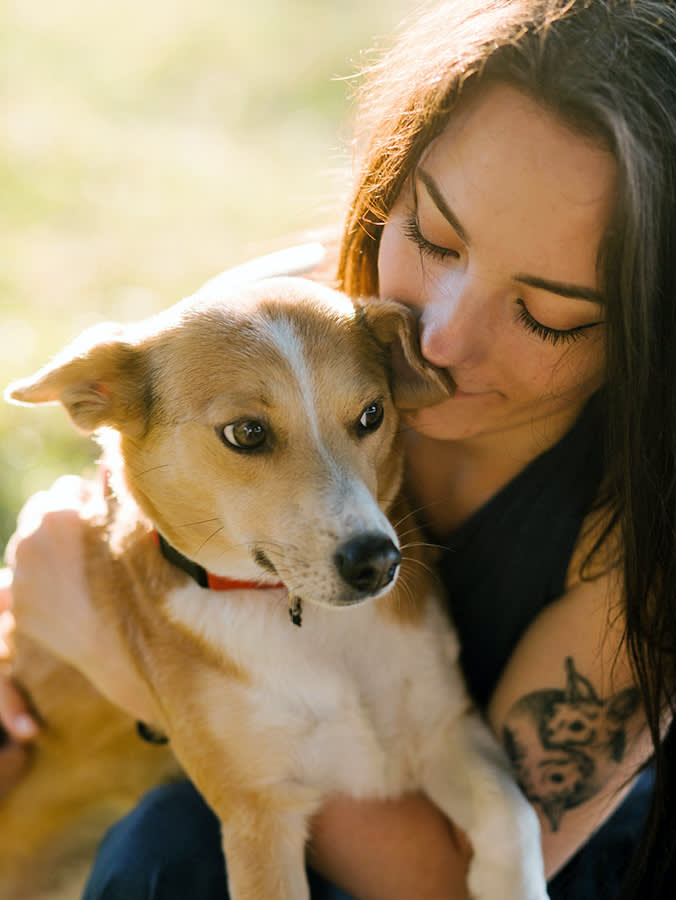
<point x="608" y="69"/>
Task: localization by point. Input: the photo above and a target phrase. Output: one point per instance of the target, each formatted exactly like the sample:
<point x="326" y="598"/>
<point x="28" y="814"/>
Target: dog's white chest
<point x="343" y="693"/>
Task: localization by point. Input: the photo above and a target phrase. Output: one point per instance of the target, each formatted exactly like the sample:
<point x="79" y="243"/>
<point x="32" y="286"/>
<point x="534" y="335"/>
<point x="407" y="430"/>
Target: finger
<point x="71" y="488"/>
<point x="67" y="493"/>
<point x="14" y="714"/>
<point x="68" y="496"/>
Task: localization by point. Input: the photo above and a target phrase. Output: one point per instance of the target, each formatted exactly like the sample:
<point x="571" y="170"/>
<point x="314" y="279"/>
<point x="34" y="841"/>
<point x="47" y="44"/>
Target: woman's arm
<point x="568" y="713"/>
<point x="401" y="849"/>
<point x="569" y="716"/>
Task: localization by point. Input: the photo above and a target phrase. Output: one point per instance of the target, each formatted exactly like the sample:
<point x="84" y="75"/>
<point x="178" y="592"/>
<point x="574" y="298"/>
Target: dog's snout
<point x="368" y="563"/>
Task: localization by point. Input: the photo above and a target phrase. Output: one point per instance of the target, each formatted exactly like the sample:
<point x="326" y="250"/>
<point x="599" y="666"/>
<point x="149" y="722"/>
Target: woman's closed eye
<point x="415" y="235"/>
<point x="553" y="336"/>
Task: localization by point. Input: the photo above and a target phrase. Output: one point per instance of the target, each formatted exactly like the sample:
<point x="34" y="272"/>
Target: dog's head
<point x="258" y="430"/>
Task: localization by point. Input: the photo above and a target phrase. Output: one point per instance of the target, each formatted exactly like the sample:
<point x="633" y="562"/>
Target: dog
<point x="263" y="571"/>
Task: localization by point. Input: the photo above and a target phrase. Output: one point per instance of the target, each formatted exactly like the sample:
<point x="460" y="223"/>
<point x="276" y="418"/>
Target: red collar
<point x="201" y="576"/>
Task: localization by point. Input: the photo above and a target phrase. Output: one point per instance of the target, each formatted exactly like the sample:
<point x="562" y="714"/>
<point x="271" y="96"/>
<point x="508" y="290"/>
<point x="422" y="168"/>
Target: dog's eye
<point x="371" y="417"/>
<point x="248" y="435"/>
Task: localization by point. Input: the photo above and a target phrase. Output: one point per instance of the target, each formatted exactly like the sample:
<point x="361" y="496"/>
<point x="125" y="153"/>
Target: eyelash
<point x="415" y="235"/>
<point x="553" y="336"/>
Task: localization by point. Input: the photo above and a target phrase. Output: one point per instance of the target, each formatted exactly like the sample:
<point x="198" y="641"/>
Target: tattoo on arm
<point x="562" y="741"/>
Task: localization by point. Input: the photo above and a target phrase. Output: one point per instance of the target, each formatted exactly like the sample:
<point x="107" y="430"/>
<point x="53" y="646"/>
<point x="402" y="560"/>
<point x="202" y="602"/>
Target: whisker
<point x="410" y="514"/>
<point x="421" y="509"/>
<point x="291" y="553"/>
<point x="201" y="522"/>
<point x="429" y="545"/>
<point x="423" y="565"/>
<point x="211" y="536"/>
<point x="406" y="592"/>
<point x="287" y="549"/>
<point x="144" y="472"/>
<point x="406" y="533"/>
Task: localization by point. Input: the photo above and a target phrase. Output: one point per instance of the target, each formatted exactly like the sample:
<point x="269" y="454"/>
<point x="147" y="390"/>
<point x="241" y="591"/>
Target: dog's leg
<point x="265" y="854"/>
<point x="469" y="778"/>
<point x="264" y="813"/>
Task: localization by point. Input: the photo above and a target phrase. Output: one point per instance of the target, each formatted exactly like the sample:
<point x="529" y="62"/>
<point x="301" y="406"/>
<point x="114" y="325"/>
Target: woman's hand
<point x="17" y="726"/>
<point x="50" y="593"/>
<point x="49" y="590"/>
<point x="401" y="849"/>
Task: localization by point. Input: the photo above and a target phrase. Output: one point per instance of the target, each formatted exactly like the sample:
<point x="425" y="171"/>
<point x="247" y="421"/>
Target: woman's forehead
<point x="499" y="125"/>
<point x="518" y="179"/>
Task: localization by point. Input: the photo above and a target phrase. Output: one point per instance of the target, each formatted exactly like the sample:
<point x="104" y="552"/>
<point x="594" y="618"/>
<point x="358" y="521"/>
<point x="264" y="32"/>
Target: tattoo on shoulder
<point x="562" y="741"/>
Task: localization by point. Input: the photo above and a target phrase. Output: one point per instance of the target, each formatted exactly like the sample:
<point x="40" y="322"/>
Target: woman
<point x="516" y="187"/>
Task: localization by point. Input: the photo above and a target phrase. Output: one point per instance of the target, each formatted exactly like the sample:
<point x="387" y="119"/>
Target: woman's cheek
<point x="399" y="270"/>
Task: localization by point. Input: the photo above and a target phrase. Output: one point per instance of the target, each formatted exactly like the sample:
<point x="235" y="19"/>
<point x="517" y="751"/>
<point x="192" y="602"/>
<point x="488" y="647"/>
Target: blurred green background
<point x="149" y="144"/>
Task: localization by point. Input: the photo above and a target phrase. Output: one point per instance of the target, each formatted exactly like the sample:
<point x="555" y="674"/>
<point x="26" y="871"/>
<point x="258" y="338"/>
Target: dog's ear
<point x="415" y="381"/>
<point x="99" y="379"/>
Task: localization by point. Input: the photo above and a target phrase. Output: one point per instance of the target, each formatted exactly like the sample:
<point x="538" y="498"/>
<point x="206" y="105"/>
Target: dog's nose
<point x="368" y="563"/>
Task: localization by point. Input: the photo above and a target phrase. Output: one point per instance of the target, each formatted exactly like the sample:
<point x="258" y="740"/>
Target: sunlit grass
<point x="147" y="146"/>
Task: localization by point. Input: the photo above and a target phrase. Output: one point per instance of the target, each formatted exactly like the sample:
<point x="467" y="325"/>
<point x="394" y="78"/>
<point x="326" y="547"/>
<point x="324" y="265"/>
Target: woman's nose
<point x="455" y="327"/>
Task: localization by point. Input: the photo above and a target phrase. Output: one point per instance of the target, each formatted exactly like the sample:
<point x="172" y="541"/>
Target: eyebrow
<point x="441" y="205"/>
<point x="572" y="291"/>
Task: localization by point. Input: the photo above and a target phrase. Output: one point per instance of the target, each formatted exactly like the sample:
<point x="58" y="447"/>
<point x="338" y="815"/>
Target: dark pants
<point x="169" y="848"/>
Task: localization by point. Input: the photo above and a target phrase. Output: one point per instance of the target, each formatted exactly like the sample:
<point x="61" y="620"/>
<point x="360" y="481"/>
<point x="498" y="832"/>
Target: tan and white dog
<point x="253" y="434"/>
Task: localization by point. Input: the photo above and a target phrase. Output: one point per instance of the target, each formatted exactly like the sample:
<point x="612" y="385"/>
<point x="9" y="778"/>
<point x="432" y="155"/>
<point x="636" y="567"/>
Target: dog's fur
<point x="266" y="718"/>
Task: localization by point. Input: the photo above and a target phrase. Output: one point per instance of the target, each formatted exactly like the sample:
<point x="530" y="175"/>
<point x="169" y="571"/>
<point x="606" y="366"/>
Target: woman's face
<point x="494" y="242"/>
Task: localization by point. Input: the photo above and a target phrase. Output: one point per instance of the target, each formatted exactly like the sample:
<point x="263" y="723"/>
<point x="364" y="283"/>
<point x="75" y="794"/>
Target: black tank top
<point x="510" y="559"/>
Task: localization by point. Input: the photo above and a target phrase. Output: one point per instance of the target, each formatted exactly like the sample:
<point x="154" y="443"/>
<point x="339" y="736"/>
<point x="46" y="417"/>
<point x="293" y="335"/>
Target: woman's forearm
<point x="390" y="849"/>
